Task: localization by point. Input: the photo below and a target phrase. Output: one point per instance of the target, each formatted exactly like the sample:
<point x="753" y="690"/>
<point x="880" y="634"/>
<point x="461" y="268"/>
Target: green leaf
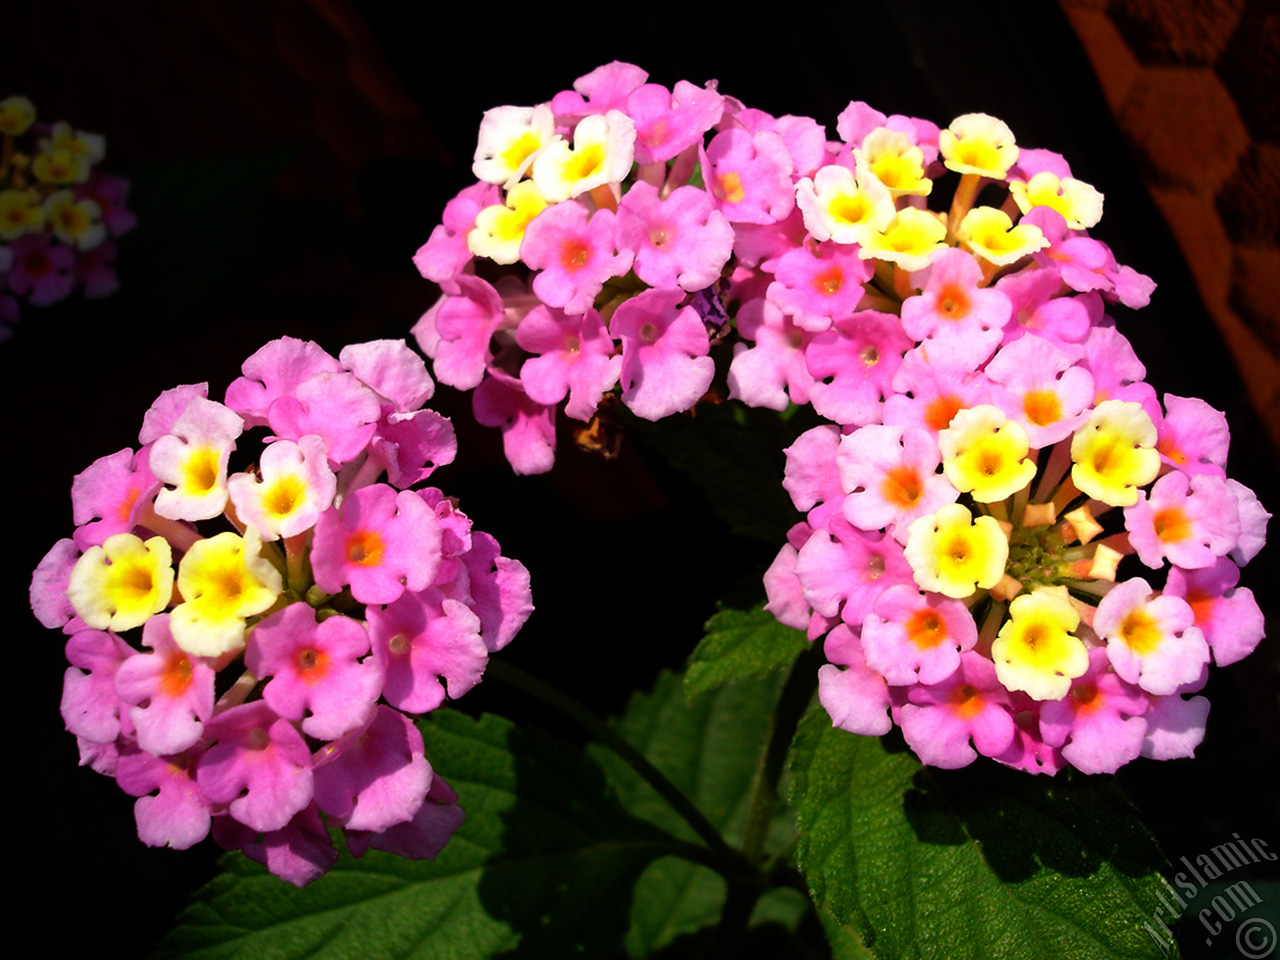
<point x="543" y="866"/>
<point x="741" y="643"/>
<point x="710" y="749"/>
<point x="984" y="862"/>
<point x="735" y="454"/>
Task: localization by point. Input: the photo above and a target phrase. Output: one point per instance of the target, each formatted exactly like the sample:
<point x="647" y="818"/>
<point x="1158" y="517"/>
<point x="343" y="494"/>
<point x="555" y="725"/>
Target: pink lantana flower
<point x="680" y="240"/>
<point x="574" y="356"/>
<point x="171" y="692"/>
<point x="1041" y="388"/>
<point x="1227" y="615"/>
<point x="528" y="427"/>
<point x="845" y="569"/>
<point x="379" y="542"/>
<point x="171" y="811"/>
<point x="940" y="720"/>
<point x="376" y="776"/>
<point x="42" y="271"/>
<point x="337" y="407"/>
<point x="1152" y="641"/>
<point x="916" y="637"/>
<point x="1099" y="724"/>
<point x="818" y="284"/>
<point x="664" y="363"/>
<point x="259" y="766"/>
<point x="275" y="370"/>
<point x="890" y="474"/>
<point x="576" y="253"/>
<point x="317" y="678"/>
<point x="110" y="495"/>
<point x="668" y="122"/>
<point x="952" y="312"/>
<point x="749" y="174"/>
<point x="422" y="643"/>
<point x="1193" y="436"/>
<point x="1191" y="521"/>
<point x="772" y="372"/>
<point x="442" y="258"/>
<point x="855" y="696"/>
<point x="854" y="363"/>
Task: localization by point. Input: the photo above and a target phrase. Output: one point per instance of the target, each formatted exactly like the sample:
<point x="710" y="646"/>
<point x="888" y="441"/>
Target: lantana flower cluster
<point x="247" y="645"/>
<point x="1011" y="546"/>
<point x="58" y="213"/>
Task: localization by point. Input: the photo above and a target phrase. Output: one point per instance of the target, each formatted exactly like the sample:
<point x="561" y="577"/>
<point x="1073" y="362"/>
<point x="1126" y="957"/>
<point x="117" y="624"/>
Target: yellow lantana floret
<point x="1078" y="202"/>
<point x="20" y="212"/>
<point x="223" y="580"/>
<point x="984" y="454"/>
<point x="602" y="152"/>
<point x="910" y="240"/>
<point x="842" y="206"/>
<point x="953" y="554"/>
<point x="991" y="235"/>
<point x="16" y="116"/>
<point x="1035" y="651"/>
<point x="978" y="143"/>
<point x="77" y="223"/>
<point x="123" y="583"/>
<point x="1114" y="453"/>
<point x="896" y="162"/>
<point x="500" y="228"/>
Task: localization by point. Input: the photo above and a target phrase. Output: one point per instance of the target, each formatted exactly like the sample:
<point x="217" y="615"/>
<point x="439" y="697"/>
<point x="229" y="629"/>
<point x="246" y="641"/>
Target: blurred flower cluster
<point x="58" y="214"/>
<point x="246" y="643"/>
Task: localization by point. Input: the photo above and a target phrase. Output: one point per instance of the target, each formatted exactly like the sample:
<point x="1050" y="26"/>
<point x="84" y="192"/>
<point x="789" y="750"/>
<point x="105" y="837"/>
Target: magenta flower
<point x="576" y="253"/>
<point x="952" y="312"/>
<point x="914" y="637"/>
<point x="1099" y="724"/>
<point x="376" y="776"/>
<point x="42" y="271"/>
<point x="772" y="373"/>
<point x="971" y="706"/>
<point x="664" y="345"/>
<point x="1189" y="520"/>
<point x="890" y="474"/>
<point x="379" y="542"/>
<point x="819" y="283"/>
<point x="573" y="356"/>
<point x="110" y="495"/>
<point x="276" y="370"/>
<point x="317" y="678"/>
<point x="259" y="766"/>
<point x="171" y="692"/>
<point x="749" y="174"/>
<point x="668" y="122"/>
<point x="680" y="240"/>
<point x="171" y="810"/>
<point x="1227" y="615"/>
<point x="856" y="697"/>
<point x="421" y="640"/>
<point x="854" y="364"/>
<point x="528" y="427"/>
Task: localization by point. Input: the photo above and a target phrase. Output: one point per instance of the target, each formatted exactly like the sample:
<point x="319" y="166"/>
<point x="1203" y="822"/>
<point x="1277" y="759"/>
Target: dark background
<point x="290" y="156"/>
